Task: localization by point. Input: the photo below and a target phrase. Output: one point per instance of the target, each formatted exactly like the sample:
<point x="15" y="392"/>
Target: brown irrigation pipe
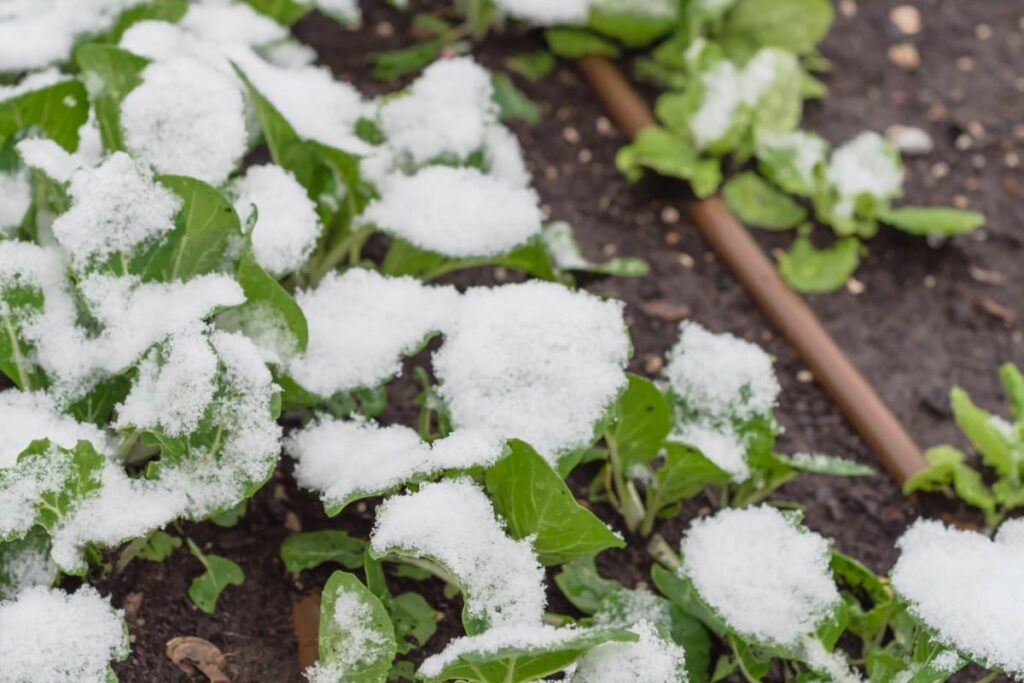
<point x="785" y="309"/>
<point x="306" y="624"/>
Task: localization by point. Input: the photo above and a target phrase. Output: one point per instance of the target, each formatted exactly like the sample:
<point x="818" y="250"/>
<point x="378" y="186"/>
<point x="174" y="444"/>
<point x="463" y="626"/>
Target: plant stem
<point x="662" y="552"/>
<point x="350" y="246"/>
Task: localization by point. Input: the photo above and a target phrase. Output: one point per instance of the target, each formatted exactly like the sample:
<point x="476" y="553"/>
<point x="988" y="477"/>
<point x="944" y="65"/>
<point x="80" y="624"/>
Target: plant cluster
<point x="162" y="303"/>
<point x="735" y="79"/>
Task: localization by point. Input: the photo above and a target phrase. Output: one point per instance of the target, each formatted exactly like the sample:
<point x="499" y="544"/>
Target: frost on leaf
<point x="766" y="577"/>
<point x="652" y="659"/>
<point x="452" y="522"/>
<point x="347" y="460"/>
<point x="967" y="588"/>
<point x="866" y="165"/>
<point x="368" y="320"/>
<point x="48" y="635"/>
<point x="287" y="226"/>
<point x="718" y="382"/>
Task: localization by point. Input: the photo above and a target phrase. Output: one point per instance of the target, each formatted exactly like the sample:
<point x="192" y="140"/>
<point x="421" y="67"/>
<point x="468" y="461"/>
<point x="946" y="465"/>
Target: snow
<point x="651" y="659"/>
<point x="37" y="33"/>
<point x="49" y="157"/>
<point x="547" y="13"/>
<point x="116" y="207"/>
<point x="31" y="82"/>
<point x="48" y="635"/>
<point x="370" y="321"/>
<point x="344" y="459"/>
<point x="537" y="636"/>
<point x="457" y="212"/>
<point x="868" y="164"/>
<point x="718" y="443"/>
<point x="28" y="416"/>
<point x="22" y="485"/>
<point x="318" y="107"/>
<point x="720" y="375"/>
<point x="231" y="23"/>
<point x="722" y="97"/>
<point x="444" y="113"/>
<point x="766" y="577"/>
<point x="361" y="644"/>
<point x="185" y="118"/>
<point x="287" y="226"/>
<point x="967" y="588"/>
<point x="534" y="361"/>
<point x="452" y="522"/>
<point x="911" y="140"/>
<point x="340" y="10"/>
<point x="25" y="563"/>
<point x="806" y="151"/>
<point x="15" y="198"/>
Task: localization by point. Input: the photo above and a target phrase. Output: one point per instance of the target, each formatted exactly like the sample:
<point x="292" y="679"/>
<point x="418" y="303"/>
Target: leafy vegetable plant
<point x="998" y="441"/>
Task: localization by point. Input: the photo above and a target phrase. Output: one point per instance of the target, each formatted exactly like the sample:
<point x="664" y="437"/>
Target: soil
<point x="918" y="319"/>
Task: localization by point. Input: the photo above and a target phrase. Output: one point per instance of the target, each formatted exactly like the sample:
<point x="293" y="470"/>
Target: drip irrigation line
<point x="858" y="401"/>
<point x="306" y="624"/>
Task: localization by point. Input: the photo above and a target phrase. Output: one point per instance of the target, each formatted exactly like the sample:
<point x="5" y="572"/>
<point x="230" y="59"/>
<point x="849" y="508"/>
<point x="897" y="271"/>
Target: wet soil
<point x="917" y="320"/>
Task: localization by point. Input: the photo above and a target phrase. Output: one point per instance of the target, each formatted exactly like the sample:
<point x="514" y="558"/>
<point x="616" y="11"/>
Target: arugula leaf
<point x="363" y="652"/>
<point x="312" y="548"/>
<point x="1013" y="384"/>
<point x="760" y="205"/>
<point x="393" y="64"/>
<point x="285" y="12"/>
<point x="532" y="66"/>
<point x="984" y="432"/>
<point x="947" y="465"/>
<point x="534" y="501"/>
<point x="58" y="111"/>
<point x="513" y="103"/>
<point x="403" y="258"/>
<point x="794" y="25"/>
<point x="170" y="11"/>
<point x="632" y="28"/>
<point x="685" y="474"/>
<point x="573" y="43"/>
<point x="659" y="150"/>
<point x="159" y="546"/>
<point x="818" y="463"/>
<point x="512" y="664"/>
<point x="643" y="421"/>
<point x="932" y="221"/>
<point x="261" y="288"/>
<point x="202" y="234"/>
<point x="112" y="73"/>
<point x="220" y="572"/>
<point x="811" y="270"/>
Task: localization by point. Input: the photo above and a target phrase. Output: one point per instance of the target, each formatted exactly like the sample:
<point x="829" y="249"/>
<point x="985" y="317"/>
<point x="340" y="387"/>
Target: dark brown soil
<point x="927" y="318"/>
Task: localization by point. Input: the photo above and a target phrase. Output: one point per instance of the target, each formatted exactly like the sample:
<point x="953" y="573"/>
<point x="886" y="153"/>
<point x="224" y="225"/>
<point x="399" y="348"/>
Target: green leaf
<point x="573" y="43"/>
<point x="403" y="258"/>
<point x="263" y="290"/>
<point x="159" y="546"/>
<point x="170" y="11"/>
<point x="203" y="232"/>
<point x="111" y="73"/>
<point x="511" y="664"/>
<point x="932" y="221"/>
<point x="685" y="474"/>
<point x="818" y="463"/>
<point x="632" y="28"/>
<point x="984" y="432"/>
<point x="947" y="465"/>
<point x="532" y="66"/>
<point x="230" y="517"/>
<point x="691" y="634"/>
<point x="285" y="12"/>
<point x="32" y="550"/>
<point x="97" y="406"/>
<point x="794" y="25"/>
<point x="1013" y="383"/>
<point x="361" y="652"/>
<point x="760" y="205"/>
<point x="313" y="548"/>
<point x="812" y="270"/>
<point x="583" y="586"/>
<point x="513" y="103"/>
<point x="84" y="476"/>
<point x="20" y="304"/>
<point x="220" y="572"/>
<point x="393" y="64"/>
<point x="561" y="244"/>
<point x="643" y="421"/>
<point x="659" y="150"/>
<point x="534" y="501"/>
<point x="58" y="111"/>
<point x="414" y="619"/>
<point x="680" y="591"/>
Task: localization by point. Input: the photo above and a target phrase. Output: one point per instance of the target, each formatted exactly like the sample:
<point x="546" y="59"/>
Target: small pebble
<point x="672" y="237"/>
<point x="961" y="201"/>
<point x="848" y="8"/>
<point x="604" y="126"/>
<point x="653" y="363"/>
<point x="963" y="142"/>
<point x="910" y="140"/>
<point x="937" y="112"/>
<point x="965" y="64"/>
<point x="685" y="260"/>
<point x="978" y="161"/>
<point x="551" y="173"/>
<point x="670" y="215"/>
<point x="940" y="169"/>
<point x="930" y="281"/>
<point x="1012" y="160"/>
<point x="907" y="19"/>
<point x="972" y="184"/>
<point x="805" y="376"/>
<point x="904" y="55"/>
<point x="585" y="156"/>
<point x="563" y="113"/>
<point x="610" y="249"/>
<point x="976" y="129"/>
<point x="500" y="273"/>
<point x="854" y="286"/>
<point x="384" y="29"/>
<point x="571" y="135"/>
<point x="983" y="31"/>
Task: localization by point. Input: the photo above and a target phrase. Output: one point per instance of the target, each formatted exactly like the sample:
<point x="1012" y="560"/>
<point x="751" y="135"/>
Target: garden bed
<point x="916" y="321"/>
